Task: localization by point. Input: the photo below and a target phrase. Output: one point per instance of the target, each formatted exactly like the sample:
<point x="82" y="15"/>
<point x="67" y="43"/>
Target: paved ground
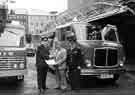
<point x="130" y="65"/>
<point x="124" y="86"/>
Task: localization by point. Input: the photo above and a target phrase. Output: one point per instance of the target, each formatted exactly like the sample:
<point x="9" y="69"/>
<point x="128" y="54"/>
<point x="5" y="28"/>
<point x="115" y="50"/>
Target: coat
<point x="42" y="54"/>
<point x="60" y="58"/>
<point x="74" y="58"/>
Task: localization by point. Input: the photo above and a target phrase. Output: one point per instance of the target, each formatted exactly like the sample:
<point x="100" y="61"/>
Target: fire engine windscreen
<point x="12" y="36"/>
<point x="86" y="32"/>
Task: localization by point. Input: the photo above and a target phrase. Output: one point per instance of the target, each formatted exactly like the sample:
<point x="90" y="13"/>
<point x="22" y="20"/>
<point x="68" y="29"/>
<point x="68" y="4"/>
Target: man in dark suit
<point x="42" y="54"/>
<point x="74" y="61"/>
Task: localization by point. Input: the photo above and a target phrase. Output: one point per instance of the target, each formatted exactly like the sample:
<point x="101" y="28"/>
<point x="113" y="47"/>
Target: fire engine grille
<point x="106" y="57"/>
<point x="7" y="62"/>
<point x="100" y="57"/>
<point x="112" y="57"/>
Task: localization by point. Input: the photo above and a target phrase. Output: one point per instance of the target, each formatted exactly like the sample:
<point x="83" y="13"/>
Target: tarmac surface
<point x="125" y="81"/>
<point x="125" y="85"/>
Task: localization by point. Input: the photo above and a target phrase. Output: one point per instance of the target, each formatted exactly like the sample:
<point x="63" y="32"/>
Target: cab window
<point x="110" y="35"/>
<point x="87" y="32"/>
<point x="93" y="34"/>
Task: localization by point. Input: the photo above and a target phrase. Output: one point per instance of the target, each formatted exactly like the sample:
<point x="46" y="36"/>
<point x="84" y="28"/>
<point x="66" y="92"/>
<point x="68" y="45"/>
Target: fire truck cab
<point x="103" y="53"/>
<point x="13" y="51"/>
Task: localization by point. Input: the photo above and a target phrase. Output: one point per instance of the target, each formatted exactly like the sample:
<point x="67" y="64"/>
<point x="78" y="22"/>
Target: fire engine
<point x="103" y="53"/>
<point x="13" y="51"/>
<point x="97" y="29"/>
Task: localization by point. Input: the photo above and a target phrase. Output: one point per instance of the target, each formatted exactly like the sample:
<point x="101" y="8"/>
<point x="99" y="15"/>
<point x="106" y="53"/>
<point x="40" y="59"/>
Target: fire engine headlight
<point x="0" y="53"/>
<point x="121" y="63"/>
<point x="10" y="53"/>
<point x="15" y="65"/>
<point x="4" y="53"/>
<point x="21" y="65"/>
<point x="88" y="63"/>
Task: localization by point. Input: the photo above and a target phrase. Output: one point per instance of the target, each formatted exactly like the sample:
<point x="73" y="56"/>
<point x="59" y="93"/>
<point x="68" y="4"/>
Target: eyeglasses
<point x="44" y="39"/>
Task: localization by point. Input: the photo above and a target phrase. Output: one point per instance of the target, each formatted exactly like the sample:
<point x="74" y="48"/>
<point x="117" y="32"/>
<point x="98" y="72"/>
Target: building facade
<point x="37" y="23"/>
<point x="34" y="22"/>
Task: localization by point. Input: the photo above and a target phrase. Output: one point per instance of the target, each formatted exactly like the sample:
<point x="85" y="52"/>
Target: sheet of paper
<point x="51" y="62"/>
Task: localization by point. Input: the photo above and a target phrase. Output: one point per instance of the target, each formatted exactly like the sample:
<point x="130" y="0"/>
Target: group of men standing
<point x="66" y="59"/>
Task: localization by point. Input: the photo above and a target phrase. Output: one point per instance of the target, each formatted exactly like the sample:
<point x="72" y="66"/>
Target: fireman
<point x="74" y="60"/>
<point x="42" y="54"/>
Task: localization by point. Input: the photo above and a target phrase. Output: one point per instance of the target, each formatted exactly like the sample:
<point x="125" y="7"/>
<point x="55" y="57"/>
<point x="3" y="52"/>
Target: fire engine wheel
<point x="116" y="77"/>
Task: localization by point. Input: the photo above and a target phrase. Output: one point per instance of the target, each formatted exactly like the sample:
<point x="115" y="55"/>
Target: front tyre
<point x="116" y="77"/>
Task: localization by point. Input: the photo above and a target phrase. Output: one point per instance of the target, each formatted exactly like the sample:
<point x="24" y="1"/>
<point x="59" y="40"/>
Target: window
<point x="10" y="38"/>
<point x="93" y="34"/>
<point x="42" y="24"/>
<point x="37" y="24"/>
<point x="110" y="35"/>
<point x="31" y="23"/>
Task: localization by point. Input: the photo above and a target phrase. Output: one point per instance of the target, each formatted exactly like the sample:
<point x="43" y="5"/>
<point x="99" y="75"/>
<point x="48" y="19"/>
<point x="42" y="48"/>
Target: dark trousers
<point x="74" y="76"/>
<point x="41" y="77"/>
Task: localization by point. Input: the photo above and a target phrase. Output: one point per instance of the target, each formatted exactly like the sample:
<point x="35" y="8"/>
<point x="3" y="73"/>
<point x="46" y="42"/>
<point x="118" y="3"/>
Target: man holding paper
<point x="42" y="54"/>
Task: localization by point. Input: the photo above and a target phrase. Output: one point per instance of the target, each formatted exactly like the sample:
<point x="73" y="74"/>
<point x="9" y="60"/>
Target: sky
<point x="46" y="5"/>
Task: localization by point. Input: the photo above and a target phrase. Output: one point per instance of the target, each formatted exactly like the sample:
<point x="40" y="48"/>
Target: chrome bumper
<point x="101" y="71"/>
<point x="10" y="73"/>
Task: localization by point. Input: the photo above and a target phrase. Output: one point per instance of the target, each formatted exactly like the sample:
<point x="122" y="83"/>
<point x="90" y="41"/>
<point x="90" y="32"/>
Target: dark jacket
<point x="74" y="58"/>
<point x="42" y="54"/>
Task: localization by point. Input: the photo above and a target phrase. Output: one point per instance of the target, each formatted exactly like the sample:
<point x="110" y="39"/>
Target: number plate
<point x="106" y="76"/>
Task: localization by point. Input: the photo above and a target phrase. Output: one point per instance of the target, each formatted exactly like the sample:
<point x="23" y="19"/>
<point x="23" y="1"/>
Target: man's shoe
<point x="64" y="88"/>
<point x="41" y="91"/>
<point x="77" y="90"/>
<point x="57" y="88"/>
<point x="46" y="88"/>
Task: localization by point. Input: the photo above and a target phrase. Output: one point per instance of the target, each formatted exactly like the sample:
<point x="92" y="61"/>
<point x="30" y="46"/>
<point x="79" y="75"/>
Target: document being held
<point x="51" y="62"/>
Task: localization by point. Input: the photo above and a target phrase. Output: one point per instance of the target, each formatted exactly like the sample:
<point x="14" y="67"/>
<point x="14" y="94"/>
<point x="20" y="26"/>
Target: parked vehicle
<point x="31" y="51"/>
<point x="13" y="51"/>
<point x="97" y="32"/>
<point x="103" y="54"/>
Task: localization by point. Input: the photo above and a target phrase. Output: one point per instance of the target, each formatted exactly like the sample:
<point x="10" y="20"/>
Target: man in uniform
<point x="74" y="60"/>
<point x="42" y="54"/>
